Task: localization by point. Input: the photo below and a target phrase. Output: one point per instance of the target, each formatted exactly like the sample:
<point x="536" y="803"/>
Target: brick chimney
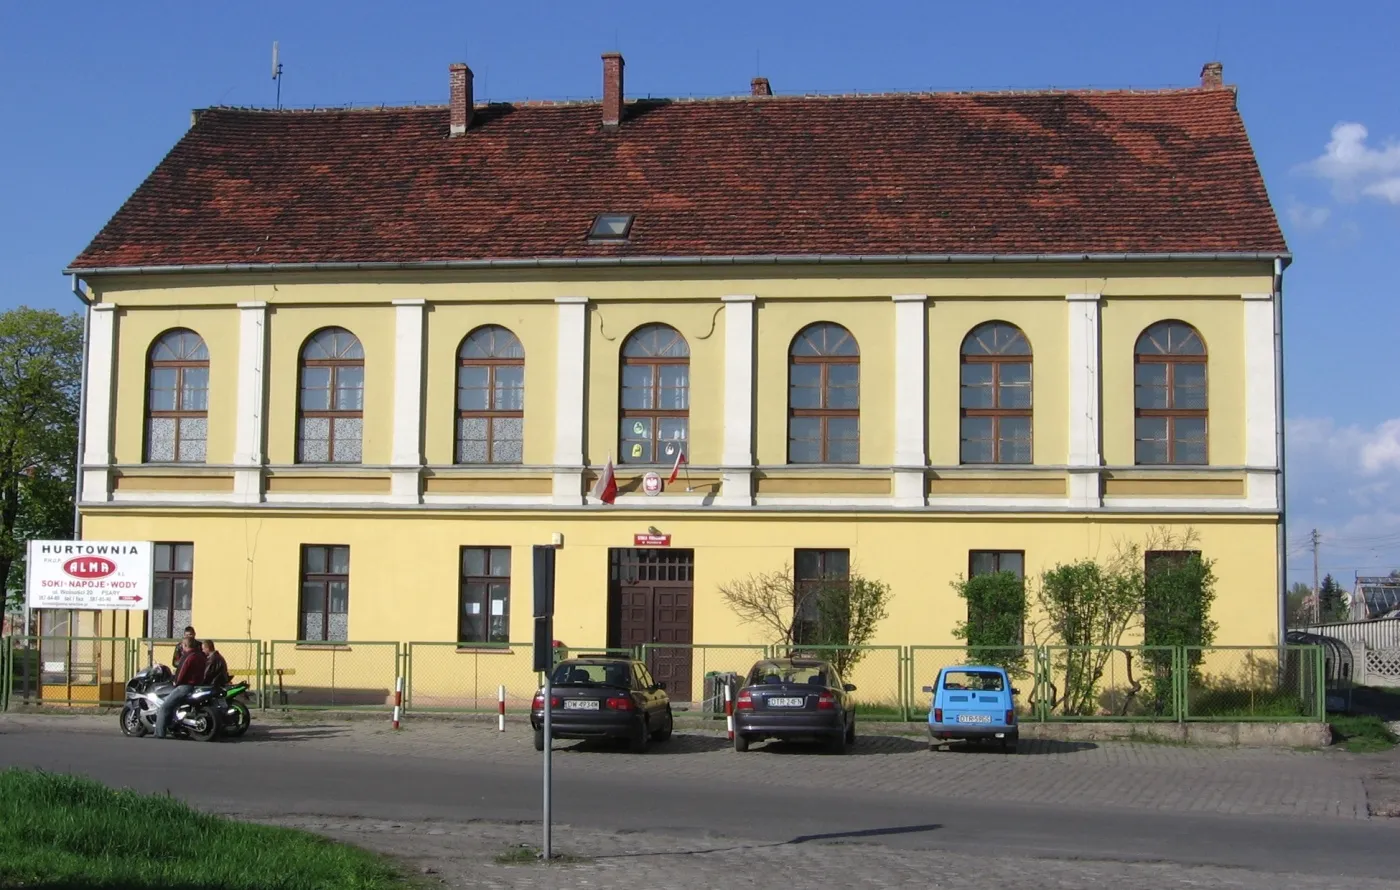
<point x="612" y="89"/>
<point x="761" y="87"/>
<point x="1213" y="75"/>
<point x="461" y="102"/>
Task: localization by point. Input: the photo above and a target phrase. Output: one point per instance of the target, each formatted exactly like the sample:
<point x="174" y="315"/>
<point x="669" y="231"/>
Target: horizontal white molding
<point x="819" y="502"/>
<point x="488" y="500"/>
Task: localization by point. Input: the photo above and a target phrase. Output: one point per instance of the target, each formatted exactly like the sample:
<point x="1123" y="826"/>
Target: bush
<point x="996" y="618"/>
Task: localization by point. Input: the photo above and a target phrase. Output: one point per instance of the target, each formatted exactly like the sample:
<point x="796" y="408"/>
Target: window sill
<point x="472" y="649"/>
<point x="319" y="647"/>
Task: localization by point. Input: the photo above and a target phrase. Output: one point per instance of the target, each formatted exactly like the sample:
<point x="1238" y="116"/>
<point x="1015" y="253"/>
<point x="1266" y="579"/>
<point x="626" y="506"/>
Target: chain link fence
<point x="1109" y="683"/>
<point x="877" y="672"/>
<point x="1281" y="683"/>
<point x="925" y="662"/>
<point x="447" y="677"/>
<point x="341" y="676"/>
<point x="86" y="671"/>
<point x="695" y="674"/>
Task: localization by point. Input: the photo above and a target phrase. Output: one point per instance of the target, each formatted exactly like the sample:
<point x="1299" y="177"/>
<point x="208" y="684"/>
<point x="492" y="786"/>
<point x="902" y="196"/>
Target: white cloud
<point x="1307" y="217"/>
<point x="1360" y="452"/>
<point x="1354" y="167"/>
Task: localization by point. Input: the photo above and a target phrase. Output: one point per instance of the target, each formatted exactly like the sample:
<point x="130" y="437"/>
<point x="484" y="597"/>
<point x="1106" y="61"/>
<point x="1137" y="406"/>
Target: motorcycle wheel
<point x="240" y="722"/>
<point x="206" y="725"/>
<point x="132" y="724"/>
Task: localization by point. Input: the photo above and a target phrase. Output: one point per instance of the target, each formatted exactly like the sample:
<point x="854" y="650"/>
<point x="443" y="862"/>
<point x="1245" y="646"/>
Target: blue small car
<point x="972" y="703"/>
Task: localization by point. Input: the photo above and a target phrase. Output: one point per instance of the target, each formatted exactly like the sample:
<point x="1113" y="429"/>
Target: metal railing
<point x="1256" y="683"/>
<point x="349" y="675"/>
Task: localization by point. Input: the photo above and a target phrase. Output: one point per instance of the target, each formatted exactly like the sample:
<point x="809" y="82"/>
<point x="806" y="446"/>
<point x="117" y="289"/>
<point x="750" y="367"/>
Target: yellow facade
<point x="406" y="509"/>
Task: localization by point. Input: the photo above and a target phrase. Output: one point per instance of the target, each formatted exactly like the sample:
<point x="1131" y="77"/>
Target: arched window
<point x="824" y="396"/>
<point x="1169" y="377"/>
<point x="996" y="396"/>
<point x="177" y="398"/>
<point x="330" y="420"/>
<point x="655" y="395"/>
<point x="490" y="397"/>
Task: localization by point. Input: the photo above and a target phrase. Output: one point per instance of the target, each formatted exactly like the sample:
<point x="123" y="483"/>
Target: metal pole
<point x="548" y="745"/>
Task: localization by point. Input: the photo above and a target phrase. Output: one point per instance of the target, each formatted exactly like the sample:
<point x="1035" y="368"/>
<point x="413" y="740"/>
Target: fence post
<point x="1318" y="657"/>
<point x="6" y="671"/>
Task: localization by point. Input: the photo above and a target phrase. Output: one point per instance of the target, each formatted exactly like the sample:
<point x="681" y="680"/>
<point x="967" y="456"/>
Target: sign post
<point x="544" y="662"/>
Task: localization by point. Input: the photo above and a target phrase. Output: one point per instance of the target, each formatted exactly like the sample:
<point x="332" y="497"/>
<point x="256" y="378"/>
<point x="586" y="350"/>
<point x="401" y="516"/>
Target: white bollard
<point x="501" y="708"/>
<point x="398" y="700"/>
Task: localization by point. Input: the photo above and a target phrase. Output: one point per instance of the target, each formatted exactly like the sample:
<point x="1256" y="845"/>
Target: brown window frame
<point x="801" y="585"/>
<point x="1172" y="413"/>
<point x="997" y="412"/>
<point x="181" y="366"/>
<point x="325" y="579"/>
<point x="464" y="580"/>
<point x="493" y="411"/>
<point x="169" y="574"/>
<point x="332" y="415"/>
<point x="654" y="414"/>
<point x="997" y="555"/>
<point x="824" y="414"/>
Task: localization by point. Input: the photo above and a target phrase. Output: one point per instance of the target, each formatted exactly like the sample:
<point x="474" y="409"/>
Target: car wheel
<point x="667" y="727"/>
<point x="935" y="746"/>
<point x="1008" y="746"/>
<point x="539" y="740"/>
<point x="851" y="732"/>
<point x="741" y="742"/>
<point x="638" y="743"/>
<point x="837" y="743"/>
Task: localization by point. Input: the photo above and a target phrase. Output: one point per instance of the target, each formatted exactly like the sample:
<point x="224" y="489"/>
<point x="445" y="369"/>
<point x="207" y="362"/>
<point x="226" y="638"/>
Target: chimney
<point x="461" y="102"/>
<point x="1213" y="75"/>
<point x="761" y="87"/>
<point x="612" y="89"/>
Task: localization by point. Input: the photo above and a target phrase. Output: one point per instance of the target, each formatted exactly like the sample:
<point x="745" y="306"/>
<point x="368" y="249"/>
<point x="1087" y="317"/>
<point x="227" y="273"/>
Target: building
<point x="347" y="366"/>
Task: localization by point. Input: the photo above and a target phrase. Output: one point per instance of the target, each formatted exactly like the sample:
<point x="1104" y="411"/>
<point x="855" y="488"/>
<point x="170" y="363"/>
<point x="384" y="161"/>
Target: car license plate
<point x="785" y="702"/>
<point x="580" y="705"/>
<point x="974" y="718"/>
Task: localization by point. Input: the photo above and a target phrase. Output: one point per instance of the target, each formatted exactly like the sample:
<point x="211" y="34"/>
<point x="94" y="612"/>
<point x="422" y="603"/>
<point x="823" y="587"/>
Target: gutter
<point x="1279" y="437"/>
<point x="727" y="260"/>
<point x="82" y="409"/>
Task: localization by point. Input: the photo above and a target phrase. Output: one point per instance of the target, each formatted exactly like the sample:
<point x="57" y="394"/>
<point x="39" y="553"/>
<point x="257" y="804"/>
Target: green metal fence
<point x="73" y="671"/>
<point x="449" y="677"/>
<point x="877" y="672"/>
<point x="6" y="672"/>
<point x="1135" y="683"/>
<point x="1265" y="683"/>
<point x="311" y="675"/>
<point x="695" y="673"/>
<point x="1021" y="663"/>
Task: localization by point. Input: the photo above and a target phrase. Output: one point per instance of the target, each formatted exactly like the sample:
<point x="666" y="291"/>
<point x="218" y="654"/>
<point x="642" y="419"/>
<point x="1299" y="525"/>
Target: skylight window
<point x="611" y="227"/>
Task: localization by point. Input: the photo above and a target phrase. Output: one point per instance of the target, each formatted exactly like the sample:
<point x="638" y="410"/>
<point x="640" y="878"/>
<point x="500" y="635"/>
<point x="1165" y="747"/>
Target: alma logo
<point x="89" y="567"/>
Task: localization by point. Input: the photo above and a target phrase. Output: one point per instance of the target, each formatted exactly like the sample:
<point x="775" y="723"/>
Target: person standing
<point x="187" y="642"/>
<point x="215" y="667"/>
<point x="191" y="673"/>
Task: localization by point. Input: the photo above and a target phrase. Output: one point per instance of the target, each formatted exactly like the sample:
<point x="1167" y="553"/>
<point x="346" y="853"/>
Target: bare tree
<point x="767" y="599"/>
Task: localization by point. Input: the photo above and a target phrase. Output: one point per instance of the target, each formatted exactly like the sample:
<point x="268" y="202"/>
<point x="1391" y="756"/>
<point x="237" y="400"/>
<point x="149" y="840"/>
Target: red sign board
<point x="651" y="540"/>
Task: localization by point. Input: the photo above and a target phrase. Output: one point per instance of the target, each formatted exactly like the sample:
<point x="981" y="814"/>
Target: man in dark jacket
<point x="190" y="674"/>
<point x="215" y="667"/>
<point x="187" y="642"/>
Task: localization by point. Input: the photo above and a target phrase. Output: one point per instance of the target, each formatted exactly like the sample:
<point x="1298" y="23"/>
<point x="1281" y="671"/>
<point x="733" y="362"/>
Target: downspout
<point x="1279" y="438"/>
<point x="82" y="411"/>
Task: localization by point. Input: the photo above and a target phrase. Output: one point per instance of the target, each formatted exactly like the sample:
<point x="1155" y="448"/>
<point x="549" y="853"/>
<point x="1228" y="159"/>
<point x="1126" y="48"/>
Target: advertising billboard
<point x="88" y="575"/>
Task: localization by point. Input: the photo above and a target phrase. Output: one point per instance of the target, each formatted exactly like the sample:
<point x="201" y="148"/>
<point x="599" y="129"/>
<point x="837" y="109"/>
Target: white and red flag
<point x="605" y="489"/>
<point x="676" y="469"/>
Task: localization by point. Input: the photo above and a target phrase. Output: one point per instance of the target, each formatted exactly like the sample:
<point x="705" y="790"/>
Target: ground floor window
<point x="483" y="614"/>
<point x="996" y="613"/>
<point x="812" y="570"/>
<point x="325" y="593"/>
<point x="172" y="595"/>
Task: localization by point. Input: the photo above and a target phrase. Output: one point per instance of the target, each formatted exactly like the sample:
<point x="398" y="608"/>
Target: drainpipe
<point x="82" y="410"/>
<point x="1279" y="437"/>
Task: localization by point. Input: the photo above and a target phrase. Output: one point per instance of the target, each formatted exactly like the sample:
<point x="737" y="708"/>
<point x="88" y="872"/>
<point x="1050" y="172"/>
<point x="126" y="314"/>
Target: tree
<point x="839" y="611"/>
<point x="40" y="376"/>
<point x="1332" y="601"/>
<point x="996" y="617"/>
<point x="1299" y="605"/>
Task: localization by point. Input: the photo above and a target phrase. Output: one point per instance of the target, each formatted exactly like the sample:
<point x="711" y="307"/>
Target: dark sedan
<point x="602" y="697"/>
<point x="795" y="699"/>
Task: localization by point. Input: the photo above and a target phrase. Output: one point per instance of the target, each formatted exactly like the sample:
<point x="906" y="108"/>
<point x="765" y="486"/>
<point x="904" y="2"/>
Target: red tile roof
<point x="1009" y="173"/>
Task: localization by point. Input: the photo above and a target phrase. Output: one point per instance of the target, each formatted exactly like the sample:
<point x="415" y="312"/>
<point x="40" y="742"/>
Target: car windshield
<point x="776" y="673"/>
<point x="568" y="674"/>
<point x="975" y="681"/>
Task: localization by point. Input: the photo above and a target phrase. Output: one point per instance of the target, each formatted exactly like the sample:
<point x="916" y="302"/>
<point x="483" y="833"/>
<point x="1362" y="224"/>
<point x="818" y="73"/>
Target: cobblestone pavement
<point x="469" y="856"/>
<point x="1242" y="781"/>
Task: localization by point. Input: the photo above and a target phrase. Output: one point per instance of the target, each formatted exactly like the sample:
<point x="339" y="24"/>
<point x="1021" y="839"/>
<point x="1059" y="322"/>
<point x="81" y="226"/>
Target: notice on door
<point x="88" y="575"/>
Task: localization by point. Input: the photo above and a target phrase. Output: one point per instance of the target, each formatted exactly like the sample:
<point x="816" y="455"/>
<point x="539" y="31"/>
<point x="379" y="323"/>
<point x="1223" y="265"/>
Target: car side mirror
<point x="849" y="687"/>
<point x="928" y="689"/>
<point x="1015" y="691"/>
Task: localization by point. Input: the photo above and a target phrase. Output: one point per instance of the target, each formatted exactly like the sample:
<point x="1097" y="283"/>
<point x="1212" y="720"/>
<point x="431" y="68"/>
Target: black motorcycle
<point x="203" y="716"/>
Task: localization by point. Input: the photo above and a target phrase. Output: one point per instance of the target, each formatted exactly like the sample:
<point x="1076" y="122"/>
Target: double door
<point x="651" y="598"/>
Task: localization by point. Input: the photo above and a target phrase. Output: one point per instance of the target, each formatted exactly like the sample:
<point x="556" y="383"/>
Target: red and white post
<point x="729" y="708"/>
<point x="398" y="700"/>
<point x="501" y="708"/>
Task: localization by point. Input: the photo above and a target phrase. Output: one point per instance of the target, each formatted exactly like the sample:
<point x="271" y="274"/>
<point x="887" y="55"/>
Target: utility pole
<point x="1317" y="591"/>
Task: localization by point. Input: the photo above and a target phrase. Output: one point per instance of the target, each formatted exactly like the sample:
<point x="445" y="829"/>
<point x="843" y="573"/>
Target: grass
<point x="1362" y="735"/>
<point x="1245" y="703"/>
<point x="524" y="854"/>
<point x="60" y="831"/>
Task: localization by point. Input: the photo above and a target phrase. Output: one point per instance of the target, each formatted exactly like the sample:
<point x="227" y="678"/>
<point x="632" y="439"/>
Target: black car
<point x="604" y="697"/>
<point x="795" y="699"/>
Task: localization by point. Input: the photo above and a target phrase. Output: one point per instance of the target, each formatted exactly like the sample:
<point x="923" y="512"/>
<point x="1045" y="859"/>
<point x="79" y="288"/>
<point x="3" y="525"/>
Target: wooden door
<point x="655" y="602"/>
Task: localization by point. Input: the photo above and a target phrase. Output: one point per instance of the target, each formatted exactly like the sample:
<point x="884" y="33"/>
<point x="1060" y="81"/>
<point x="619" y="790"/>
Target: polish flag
<point x="605" y="489"/>
<point x="676" y="470"/>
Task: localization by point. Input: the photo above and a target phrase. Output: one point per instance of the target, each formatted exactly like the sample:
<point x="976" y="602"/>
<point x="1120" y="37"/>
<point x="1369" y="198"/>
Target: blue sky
<point x="95" y="93"/>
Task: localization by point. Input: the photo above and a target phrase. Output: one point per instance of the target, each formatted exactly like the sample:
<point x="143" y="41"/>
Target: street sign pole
<point x="544" y="662"/>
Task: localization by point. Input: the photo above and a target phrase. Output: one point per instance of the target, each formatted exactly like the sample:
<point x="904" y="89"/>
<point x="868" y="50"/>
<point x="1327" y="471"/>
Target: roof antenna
<point x="277" y="73"/>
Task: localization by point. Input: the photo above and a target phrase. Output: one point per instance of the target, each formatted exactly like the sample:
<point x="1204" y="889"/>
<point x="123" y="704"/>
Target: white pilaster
<point x="1260" y="404"/>
<point x="910" y="388"/>
<point x="736" y="477"/>
<point x="406" y="455"/>
<point x="1085" y="451"/>
<point x="97" y="432"/>
<point x="251" y="398"/>
<point x="570" y="365"/>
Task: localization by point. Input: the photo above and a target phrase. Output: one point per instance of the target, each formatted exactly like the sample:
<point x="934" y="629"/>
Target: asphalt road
<point x="265" y="779"/>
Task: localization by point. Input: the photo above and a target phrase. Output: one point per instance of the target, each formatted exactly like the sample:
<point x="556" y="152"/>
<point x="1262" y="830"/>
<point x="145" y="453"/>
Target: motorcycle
<point x="204" y="716"/>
